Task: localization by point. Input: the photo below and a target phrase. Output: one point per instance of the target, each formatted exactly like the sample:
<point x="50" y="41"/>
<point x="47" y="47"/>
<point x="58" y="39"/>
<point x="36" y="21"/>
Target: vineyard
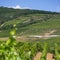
<point x="32" y="24"/>
<point x="20" y="32"/>
<point x="13" y="50"/>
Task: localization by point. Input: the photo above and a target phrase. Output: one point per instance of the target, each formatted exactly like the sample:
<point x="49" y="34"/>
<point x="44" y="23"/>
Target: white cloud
<point x="19" y="7"/>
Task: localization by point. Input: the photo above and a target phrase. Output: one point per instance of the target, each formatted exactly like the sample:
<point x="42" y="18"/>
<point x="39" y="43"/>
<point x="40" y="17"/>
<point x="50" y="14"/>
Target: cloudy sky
<point x="49" y="5"/>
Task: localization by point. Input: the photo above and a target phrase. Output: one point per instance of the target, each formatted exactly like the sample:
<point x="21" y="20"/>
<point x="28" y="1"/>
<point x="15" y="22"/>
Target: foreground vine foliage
<point x="57" y="55"/>
<point x="13" y="50"/>
<point x="44" y="52"/>
<point x="8" y="50"/>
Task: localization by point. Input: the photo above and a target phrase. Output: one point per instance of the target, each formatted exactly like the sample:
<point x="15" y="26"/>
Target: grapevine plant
<point x="57" y="55"/>
<point x="44" y="52"/>
<point x="7" y="49"/>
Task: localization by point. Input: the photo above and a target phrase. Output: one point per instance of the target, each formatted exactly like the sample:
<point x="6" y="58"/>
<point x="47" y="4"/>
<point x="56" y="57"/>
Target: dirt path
<point x="38" y="56"/>
<point x="49" y="56"/>
<point x="46" y="35"/>
<point x="49" y="33"/>
<point x="30" y="37"/>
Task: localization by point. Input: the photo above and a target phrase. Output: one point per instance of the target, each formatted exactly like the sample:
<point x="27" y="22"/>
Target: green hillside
<point x="28" y="22"/>
<point x="36" y="31"/>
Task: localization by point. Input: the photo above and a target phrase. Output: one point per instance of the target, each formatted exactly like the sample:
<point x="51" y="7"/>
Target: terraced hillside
<point x="29" y="22"/>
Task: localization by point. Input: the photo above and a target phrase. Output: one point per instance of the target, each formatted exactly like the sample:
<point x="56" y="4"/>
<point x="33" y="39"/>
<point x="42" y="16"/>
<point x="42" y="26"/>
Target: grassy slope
<point x="34" y="24"/>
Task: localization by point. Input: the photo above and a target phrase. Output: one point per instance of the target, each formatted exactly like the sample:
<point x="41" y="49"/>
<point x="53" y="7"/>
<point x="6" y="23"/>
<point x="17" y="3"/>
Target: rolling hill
<point x="28" y="22"/>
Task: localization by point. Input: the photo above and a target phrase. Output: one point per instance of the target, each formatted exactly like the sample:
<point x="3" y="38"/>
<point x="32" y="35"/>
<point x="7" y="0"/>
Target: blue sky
<point x="49" y="5"/>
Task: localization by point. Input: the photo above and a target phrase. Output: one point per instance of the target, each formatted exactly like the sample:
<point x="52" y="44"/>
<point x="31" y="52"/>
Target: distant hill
<point x="29" y="22"/>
